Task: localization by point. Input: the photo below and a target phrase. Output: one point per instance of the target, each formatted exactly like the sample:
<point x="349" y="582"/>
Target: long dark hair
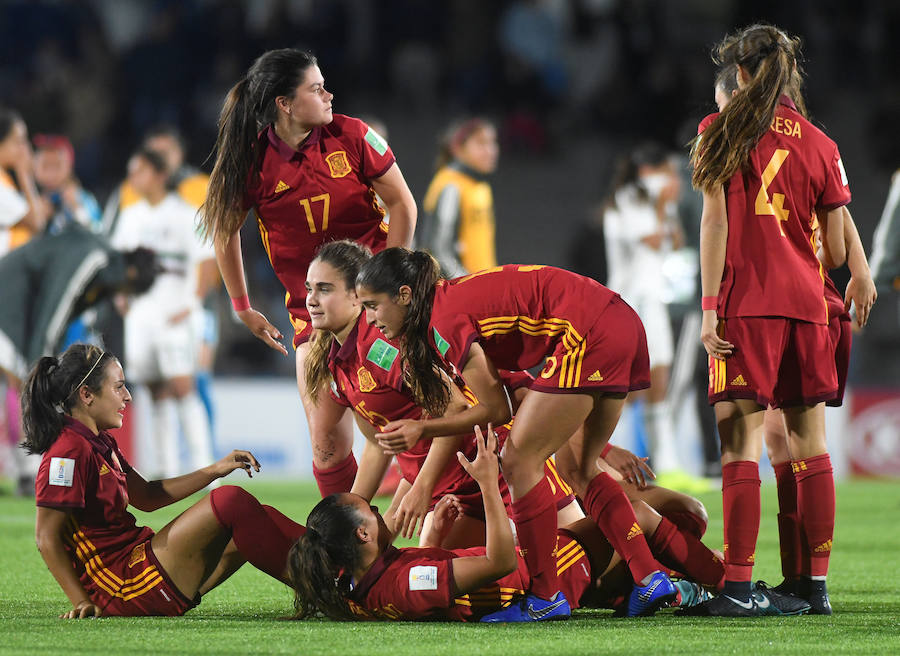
<point x="322" y="561"/>
<point x="770" y="57"/>
<point x="51" y="391"/>
<point x="248" y="108"/>
<point x="8" y="118"/>
<point x="385" y="273"/>
<point x="347" y="257"/>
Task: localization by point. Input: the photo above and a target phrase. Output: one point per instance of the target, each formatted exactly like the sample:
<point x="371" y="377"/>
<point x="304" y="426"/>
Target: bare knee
<point x="647" y="518"/>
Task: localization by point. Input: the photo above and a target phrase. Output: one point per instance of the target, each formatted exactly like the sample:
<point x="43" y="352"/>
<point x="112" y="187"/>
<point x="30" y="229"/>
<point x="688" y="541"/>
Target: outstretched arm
<point x="150" y="495"/>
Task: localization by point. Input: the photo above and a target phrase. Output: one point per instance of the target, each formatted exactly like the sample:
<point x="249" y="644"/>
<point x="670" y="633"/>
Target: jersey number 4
<point x="774" y="206"/>
<point x="306" y="203"/>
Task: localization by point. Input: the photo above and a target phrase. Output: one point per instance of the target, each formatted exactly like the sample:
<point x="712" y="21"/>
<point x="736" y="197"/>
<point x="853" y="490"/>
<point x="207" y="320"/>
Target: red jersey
<point x="321" y="192"/>
<point x="85" y="475"/>
<point x="367" y="376"/>
<point x="771" y="268"/>
<point x="417" y="583"/>
<point x="518" y="313"/>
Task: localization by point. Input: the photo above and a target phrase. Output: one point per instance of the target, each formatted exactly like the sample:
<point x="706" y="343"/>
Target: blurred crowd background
<point x="571" y="85"/>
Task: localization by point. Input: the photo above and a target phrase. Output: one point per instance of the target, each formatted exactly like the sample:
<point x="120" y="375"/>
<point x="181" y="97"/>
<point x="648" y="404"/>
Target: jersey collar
<point x="343" y="351"/>
<point x="284" y="150"/>
<point x="787" y="102"/>
<point x="362" y="587"/>
<point x="102" y="441"/>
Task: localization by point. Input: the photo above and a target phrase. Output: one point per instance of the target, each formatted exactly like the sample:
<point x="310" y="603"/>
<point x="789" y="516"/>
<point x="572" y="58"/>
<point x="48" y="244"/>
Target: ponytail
<point x="322" y="561"/>
<point x="770" y="57"/>
<point x="385" y="273"/>
<point x="50" y="392"/>
<point x="249" y="107"/>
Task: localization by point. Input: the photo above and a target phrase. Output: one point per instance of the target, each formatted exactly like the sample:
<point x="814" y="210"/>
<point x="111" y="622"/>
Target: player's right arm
<point x="861" y="287"/>
<point x="229" y="257"/>
<point x="373" y="462"/>
<point x="473" y="572"/>
<point x="50" y="526"/>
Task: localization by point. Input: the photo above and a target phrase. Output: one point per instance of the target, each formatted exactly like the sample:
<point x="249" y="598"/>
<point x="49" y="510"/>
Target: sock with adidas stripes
<point x="815" y="506"/>
<point x="790" y="537"/>
<point x="740" y="506"/>
<point x="535" y="517"/>
<point x="605" y="501"/>
<point x="686" y="553"/>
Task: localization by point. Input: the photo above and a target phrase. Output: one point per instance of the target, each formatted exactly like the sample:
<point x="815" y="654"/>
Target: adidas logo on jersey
<point x="739" y="381"/>
<point x="825" y="547"/>
<point x="596" y="376"/>
<point x="281" y="186"/>
<point x="104" y="469"/>
<point x="634" y="532"/>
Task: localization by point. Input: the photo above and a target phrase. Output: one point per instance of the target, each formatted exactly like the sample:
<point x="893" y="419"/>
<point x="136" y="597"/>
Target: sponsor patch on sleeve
<point x="62" y="472"/>
<point x="844" y="180"/>
<point x="441" y="343"/>
<point x="382" y="354"/>
<point x="423" y="577"/>
<point x="375" y="140"/>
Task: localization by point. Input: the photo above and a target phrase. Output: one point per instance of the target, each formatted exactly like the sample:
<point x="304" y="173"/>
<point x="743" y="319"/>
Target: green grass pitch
<point x="241" y="616"/>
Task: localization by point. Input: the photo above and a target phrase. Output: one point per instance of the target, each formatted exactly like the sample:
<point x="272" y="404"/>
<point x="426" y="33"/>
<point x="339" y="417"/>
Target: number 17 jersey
<point x="771" y="267"/>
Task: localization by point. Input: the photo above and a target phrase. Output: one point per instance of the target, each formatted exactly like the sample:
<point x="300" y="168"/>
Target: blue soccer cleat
<point x="647" y="599"/>
<point x="533" y="609"/>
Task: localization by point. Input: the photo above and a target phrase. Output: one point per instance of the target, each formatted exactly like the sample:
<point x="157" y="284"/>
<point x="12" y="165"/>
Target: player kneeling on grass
<point x="102" y="560"/>
<point x="345" y="567"/>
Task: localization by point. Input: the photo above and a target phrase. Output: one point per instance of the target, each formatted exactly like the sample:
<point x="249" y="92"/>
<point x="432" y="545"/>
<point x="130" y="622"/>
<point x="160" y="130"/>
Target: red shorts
<point x="841" y="337"/>
<point x="302" y="327"/>
<point x="611" y="357"/>
<point x="776" y="362"/>
<point x="133" y="584"/>
<point x="572" y="566"/>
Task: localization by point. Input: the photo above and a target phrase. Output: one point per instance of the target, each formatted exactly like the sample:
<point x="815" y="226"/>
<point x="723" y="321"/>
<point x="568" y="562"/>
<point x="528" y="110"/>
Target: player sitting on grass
<point x="102" y="560"/>
<point x="345" y="567"/>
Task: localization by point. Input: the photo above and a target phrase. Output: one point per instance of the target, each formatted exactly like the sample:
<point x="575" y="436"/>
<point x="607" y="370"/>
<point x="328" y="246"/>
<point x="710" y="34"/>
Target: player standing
<point x="516" y="317"/>
<point x="770" y="179"/>
<point x="309" y="176"/>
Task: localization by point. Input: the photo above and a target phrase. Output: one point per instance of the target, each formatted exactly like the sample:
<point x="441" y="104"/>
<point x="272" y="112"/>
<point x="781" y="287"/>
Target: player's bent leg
<point x="330" y="434"/>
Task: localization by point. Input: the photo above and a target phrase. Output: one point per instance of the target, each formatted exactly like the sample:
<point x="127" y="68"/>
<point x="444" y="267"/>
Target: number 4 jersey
<point x="321" y="192"/>
<point x="771" y="267"/>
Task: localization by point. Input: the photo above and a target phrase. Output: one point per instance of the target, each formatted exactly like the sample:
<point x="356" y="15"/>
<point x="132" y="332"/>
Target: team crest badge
<point x="338" y="164"/>
<point x="366" y="382"/>
<point x="138" y="554"/>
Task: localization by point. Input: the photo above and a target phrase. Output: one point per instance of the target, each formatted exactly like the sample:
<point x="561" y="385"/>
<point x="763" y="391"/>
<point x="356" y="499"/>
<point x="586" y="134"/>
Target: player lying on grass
<point x="345" y="567"/>
<point x="103" y="561"/>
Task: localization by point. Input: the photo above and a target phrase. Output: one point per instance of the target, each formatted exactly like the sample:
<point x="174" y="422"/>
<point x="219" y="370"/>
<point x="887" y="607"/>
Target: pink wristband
<point x="709" y="303"/>
<point x="240" y="303"/>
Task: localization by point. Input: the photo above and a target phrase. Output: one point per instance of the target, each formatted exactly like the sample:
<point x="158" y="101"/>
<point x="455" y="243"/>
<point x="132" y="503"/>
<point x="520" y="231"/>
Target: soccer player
<point x="159" y="332"/>
<point x="23" y="212"/>
<point x="770" y="180"/>
<point x="345" y="566"/>
<point x="515" y="317"/>
<point x="459" y="205"/>
<point x="309" y="176"/>
<point x="105" y="563"/>
<point x="365" y="374"/>
<point x="861" y="293"/>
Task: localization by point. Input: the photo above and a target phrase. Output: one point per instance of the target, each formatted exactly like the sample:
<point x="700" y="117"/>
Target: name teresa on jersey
<point x="787" y="127"/>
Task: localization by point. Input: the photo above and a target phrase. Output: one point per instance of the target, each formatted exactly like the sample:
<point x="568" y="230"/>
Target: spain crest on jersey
<point x="366" y="382"/>
<point x="338" y="164"/>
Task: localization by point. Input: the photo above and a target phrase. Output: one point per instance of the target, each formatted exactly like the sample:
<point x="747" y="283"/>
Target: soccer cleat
<point x="771" y="602"/>
<point x="532" y="609"/>
<point x="818" y="599"/>
<point x="792" y="587"/>
<point x="647" y="599"/>
<point x="688" y="594"/>
<point x="723" y="606"/>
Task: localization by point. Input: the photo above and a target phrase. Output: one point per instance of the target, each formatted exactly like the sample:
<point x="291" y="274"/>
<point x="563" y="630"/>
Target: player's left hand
<point x="237" y="459"/>
<point x="411" y="512"/>
<point x="400" y="435"/>
<point x="714" y="345"/>
<point x="633" y="469"/>
<point x="862" y="293"/>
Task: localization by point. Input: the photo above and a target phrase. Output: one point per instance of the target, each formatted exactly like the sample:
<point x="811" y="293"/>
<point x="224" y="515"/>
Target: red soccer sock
<point x="261" y="534"/>
<point x="337" y="479"/>
<point x="686" y="553"/>
<point x="687" y="522"/>
<point x="790" y="537"/>
<point x="815" y="508"/>
<point x="605" y="501"/>
<point x="535" y="518"/>
<point x="740" y="506"/>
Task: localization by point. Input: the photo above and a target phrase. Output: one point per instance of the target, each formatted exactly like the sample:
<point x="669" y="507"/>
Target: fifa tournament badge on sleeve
<point x="423" y="577"/>
<point x="62" y="472"/>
